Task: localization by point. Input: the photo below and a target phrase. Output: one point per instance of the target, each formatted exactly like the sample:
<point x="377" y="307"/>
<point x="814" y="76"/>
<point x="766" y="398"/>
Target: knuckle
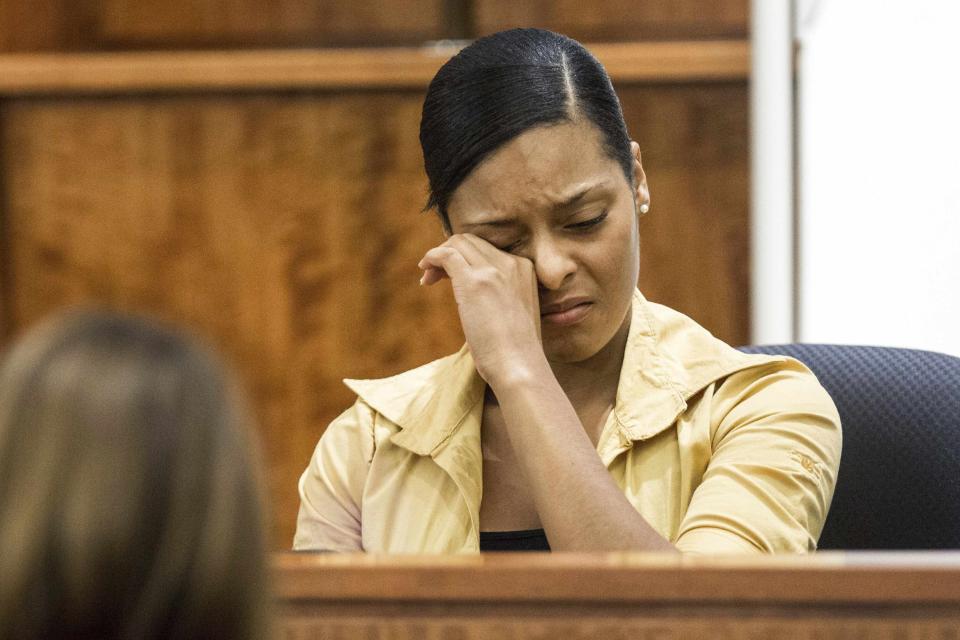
<point x="487" y="276"/>
<point x="522" y="265"/>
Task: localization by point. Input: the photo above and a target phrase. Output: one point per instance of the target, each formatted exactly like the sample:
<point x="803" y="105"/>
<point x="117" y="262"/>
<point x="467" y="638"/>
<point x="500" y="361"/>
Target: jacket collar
<point x="668" y="359"/>
<point x="429" y="403"/>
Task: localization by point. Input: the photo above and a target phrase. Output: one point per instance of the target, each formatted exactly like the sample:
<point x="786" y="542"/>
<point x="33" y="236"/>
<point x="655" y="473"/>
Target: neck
<point x="597" y="377"/>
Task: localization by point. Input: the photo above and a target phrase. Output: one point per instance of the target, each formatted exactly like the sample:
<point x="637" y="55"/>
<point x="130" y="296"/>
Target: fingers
<point x="476" y="249"/>
<point x="442" y="261"/>
<point x="432" y="275"/>
<point x="471" y="251"/>
<point x="436" y="261"/>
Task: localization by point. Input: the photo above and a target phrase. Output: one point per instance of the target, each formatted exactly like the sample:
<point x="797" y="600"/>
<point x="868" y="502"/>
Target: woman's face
<point x="554" y="196"/>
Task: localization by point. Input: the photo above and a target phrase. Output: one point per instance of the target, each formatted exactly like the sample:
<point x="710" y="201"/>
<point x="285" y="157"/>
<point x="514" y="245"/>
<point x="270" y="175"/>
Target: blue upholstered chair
<point x="899" y="480"/>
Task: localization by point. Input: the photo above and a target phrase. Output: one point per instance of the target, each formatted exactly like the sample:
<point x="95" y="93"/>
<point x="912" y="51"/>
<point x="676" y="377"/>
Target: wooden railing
<point x="66" y="73"/>
<point x="829" y="595"/>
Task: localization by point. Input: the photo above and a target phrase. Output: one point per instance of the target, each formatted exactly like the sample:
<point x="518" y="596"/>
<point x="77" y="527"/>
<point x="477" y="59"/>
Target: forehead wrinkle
<point x="549" y="198"/>
<point x="578" y="191"/>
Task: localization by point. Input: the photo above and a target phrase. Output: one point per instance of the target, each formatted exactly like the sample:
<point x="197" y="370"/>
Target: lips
<point x="566" y="312"/>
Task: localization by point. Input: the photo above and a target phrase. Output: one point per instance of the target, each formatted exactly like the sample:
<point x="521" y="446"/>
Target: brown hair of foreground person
<point x="129" y="495"/>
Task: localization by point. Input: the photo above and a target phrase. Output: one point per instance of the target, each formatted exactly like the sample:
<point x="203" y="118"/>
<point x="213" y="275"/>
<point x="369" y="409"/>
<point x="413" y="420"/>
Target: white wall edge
<point x="772" y="216"/>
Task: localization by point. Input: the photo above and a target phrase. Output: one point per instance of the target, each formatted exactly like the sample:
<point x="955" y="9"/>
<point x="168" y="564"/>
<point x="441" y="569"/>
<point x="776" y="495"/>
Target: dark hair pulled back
<point x="499" y="87"/>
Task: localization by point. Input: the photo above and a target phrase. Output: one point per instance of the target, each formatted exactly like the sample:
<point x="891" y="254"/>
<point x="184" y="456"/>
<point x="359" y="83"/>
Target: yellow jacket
<point x="720" y="451"/>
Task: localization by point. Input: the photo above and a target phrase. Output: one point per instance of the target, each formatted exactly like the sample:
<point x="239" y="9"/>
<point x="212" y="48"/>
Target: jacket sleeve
<point x="331" y="488"/>
<point x="776" y="444"/>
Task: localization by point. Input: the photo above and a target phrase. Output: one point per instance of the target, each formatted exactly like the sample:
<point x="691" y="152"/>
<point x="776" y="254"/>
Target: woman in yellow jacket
<point x="578" y="416"/>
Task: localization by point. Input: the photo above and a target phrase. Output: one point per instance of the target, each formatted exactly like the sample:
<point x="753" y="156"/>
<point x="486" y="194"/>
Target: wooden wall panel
<point x="89" y="25"/>
<point x="603" y="20"/>
<point x="286" y="229"/>
<point x="695" y="242"/>
<point x="41" y="25"/>
<point x="279" y="22"/>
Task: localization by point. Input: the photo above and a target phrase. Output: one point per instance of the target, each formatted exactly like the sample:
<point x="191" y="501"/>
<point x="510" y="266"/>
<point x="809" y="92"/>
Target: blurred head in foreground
<point x="129" y="499"/>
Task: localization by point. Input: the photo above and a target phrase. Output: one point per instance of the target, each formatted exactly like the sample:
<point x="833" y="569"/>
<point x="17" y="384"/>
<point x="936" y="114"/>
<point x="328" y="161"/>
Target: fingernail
<point x="422" y="279"/>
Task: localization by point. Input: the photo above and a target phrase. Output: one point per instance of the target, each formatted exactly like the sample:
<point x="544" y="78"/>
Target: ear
<point x="642" y="193"/>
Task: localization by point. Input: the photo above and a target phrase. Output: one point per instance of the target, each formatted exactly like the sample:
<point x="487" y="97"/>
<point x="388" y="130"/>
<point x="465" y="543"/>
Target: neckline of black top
<point x="526" y="540"/>
<point x="522" y="533"/>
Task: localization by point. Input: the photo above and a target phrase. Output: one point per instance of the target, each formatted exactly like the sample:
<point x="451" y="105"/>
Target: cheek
<point x="616" y="259"/>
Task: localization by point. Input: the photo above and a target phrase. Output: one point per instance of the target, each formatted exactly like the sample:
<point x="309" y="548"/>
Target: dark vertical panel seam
<point x="458" y="19"/>
<point x="6" y="282"/>
<point x="82" y="26"/>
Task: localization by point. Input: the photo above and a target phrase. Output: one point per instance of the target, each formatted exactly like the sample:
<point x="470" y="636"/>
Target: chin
<point x="569" y="345"/>
<point x="569" y="349"/>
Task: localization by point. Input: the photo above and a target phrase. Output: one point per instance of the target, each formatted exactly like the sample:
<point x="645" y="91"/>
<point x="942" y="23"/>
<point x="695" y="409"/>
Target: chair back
<point x="899" y="480"/>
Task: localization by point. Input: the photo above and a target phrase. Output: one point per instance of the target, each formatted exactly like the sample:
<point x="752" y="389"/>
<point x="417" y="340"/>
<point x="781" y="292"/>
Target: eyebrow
<point x="567" y="201"/>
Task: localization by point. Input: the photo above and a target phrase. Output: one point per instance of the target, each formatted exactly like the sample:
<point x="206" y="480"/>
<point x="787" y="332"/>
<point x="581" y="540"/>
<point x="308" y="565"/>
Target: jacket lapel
<point x="438" y="408"/>
<point x="669" y="358"/>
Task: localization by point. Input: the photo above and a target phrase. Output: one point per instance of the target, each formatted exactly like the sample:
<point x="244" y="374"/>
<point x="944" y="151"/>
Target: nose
<point x="552" y="264"/>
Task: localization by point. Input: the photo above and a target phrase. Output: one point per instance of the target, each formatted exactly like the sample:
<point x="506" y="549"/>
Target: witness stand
<point x="622" y="595"/>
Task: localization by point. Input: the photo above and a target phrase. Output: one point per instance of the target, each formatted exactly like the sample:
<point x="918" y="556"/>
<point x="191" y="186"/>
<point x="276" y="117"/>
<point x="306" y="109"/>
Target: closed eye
<point x="587" y="224"/>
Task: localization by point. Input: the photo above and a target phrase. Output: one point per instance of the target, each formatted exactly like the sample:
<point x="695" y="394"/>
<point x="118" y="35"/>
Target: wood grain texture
<point x="664" y="597"/>
<point x="383" y="68"/>
<point x="617" y="622"/>
<point x="6" y="328"/>
<point x="695" y="242"/>
<point x="111" y="25"/>
<point x="609" y="20"/>
<point x="894" y="578"/>
<point x="286" y="229"/>
<point x="190" y="23"/>
<point x="108" y="25"/>
<point x="43" y="25"/>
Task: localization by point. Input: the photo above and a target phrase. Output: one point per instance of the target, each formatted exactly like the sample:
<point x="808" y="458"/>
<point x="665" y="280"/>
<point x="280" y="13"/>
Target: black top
<point x="530" y="540"/>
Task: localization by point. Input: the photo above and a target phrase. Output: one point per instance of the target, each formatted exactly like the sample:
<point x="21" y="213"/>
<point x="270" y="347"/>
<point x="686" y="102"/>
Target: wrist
<point x="520" y="373"/>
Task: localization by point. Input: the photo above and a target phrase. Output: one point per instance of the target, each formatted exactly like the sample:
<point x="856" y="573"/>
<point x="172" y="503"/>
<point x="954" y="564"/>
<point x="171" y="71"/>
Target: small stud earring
<point x="644" y="208"/>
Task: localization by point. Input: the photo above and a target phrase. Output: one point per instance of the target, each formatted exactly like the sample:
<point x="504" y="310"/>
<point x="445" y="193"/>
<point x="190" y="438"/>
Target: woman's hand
<point x="497" y="300"/>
